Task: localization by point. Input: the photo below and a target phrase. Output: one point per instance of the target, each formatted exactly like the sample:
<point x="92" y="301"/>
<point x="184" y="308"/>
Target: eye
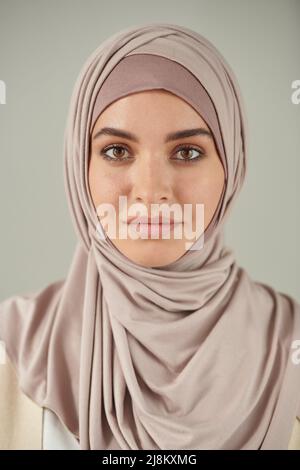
<point x="117" y="157"/>
<point x="188" y="149"/>
<point x="118" y="152"/>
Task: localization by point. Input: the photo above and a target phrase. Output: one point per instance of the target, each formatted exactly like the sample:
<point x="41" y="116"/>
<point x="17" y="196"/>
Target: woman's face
<point x="147" y="167"/>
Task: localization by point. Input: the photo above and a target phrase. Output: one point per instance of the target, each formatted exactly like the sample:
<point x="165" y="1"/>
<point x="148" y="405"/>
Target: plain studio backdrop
<point x="43" y="45"/>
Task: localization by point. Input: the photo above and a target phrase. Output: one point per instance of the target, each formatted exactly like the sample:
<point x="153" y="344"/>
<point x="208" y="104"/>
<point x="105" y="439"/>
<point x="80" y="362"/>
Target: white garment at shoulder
<point x="55" y="434"/>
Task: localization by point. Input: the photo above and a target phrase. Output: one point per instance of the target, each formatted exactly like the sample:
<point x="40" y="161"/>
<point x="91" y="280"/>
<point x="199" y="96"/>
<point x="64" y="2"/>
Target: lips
<point x="159" y="220"/>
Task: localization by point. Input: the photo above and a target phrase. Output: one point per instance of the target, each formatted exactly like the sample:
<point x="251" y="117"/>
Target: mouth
<point x="154" y="230"/>
<point x="155" y="227"/>
<point x="151" y="221"/>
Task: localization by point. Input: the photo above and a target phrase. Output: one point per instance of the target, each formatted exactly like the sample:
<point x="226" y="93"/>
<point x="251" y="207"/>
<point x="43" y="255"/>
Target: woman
<point x="154" y="341"/>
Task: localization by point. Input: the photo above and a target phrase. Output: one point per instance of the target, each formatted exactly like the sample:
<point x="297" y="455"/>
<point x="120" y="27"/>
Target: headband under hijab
<point x="193" y="355"/>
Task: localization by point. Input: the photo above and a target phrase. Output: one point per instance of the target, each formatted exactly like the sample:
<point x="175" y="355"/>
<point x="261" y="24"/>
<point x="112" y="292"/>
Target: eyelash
<point x="119" y="159"/>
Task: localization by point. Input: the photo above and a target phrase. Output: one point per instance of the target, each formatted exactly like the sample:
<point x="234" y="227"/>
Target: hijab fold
<point x="191" y="355"/>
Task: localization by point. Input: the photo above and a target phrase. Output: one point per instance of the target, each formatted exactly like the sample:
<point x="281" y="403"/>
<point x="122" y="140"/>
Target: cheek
<point x="105" y="186"/>
<point x="205" y="187"/>
<point x="209" y="191"/>
<point x="201" y="187"/>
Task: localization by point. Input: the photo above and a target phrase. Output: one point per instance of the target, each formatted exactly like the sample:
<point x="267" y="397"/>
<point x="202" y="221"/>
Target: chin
<point x="155" y="258"/>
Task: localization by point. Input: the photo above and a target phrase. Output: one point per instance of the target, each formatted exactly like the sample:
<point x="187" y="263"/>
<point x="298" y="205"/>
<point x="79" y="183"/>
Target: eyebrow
<point x="171" y="136"/>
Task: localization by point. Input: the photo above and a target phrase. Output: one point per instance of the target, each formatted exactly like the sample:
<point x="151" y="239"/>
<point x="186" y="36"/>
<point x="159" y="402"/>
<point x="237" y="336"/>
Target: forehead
<point x="160" y="107"/>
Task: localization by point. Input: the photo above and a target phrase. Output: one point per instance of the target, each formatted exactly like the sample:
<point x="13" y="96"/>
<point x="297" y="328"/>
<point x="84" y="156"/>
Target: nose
<point x="151" y="181"/>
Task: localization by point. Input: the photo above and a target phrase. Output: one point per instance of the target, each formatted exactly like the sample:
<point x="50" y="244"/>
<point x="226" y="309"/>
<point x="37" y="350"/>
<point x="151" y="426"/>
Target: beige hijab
<point x="192" y="355"/>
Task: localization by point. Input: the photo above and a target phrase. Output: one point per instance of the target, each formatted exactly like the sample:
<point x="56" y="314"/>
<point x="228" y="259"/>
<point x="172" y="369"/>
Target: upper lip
<point x="151" y="220"/>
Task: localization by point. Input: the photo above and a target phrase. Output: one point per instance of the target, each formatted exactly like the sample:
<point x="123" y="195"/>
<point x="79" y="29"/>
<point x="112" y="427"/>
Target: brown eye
<point x="187" y="150"/>
<point x="117" y="153"/>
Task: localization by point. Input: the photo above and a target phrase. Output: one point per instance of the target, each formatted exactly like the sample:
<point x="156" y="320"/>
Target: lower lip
<point x="154" y="230"/>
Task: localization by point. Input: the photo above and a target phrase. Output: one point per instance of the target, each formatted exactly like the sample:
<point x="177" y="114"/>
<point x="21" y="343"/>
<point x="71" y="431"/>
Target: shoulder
<point x="56" y="436"/>
<point x="294" y="443"/>
<point x="21" y="419"/>
<point x="24" y="425"/>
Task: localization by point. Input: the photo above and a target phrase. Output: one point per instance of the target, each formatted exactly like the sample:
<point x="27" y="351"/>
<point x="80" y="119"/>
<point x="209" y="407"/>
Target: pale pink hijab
<point x="193" y="355"/>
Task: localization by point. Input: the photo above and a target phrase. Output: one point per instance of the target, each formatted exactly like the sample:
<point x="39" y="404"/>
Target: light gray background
<point x="43" y="45"/>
